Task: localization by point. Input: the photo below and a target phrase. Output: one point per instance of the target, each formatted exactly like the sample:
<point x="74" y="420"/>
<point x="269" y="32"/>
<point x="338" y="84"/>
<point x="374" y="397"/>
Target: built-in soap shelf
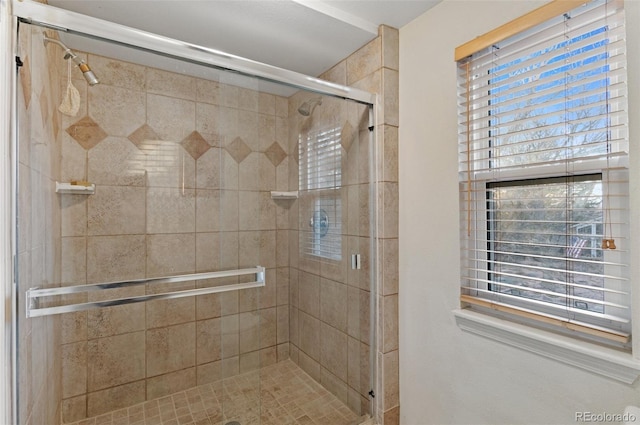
<point x="284" y="195"/>
<point x="76" y="188"/>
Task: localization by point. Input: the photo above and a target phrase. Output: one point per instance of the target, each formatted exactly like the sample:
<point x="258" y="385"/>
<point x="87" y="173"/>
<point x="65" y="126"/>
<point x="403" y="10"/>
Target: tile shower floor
<point x="280" y="394"/>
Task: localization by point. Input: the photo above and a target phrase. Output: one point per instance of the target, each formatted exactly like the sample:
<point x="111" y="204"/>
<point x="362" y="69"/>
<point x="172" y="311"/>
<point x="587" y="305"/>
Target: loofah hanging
<point x="71" y="102"/>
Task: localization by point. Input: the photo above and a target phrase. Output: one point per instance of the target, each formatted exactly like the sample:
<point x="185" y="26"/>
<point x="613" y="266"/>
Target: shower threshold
<point x="279" y="394"/>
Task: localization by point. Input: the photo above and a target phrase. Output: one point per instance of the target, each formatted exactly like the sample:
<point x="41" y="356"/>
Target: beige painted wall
<point x="447" y="376"/>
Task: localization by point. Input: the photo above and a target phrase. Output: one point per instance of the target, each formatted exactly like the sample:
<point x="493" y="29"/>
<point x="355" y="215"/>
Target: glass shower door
<point x="330" y="266"/>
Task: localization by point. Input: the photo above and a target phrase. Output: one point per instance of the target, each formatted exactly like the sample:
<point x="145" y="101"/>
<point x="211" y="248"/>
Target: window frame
<point x="623" y="366"/>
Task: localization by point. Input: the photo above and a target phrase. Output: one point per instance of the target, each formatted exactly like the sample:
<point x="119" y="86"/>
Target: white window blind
<point x="543" y="180"/>
<point x="320" y="179"/>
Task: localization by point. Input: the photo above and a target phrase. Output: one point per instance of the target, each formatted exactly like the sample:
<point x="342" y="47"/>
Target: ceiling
<point x="306" y="36"/>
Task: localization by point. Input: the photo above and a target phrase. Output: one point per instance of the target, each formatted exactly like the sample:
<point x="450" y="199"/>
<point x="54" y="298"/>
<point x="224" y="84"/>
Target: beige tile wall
<point x="183" y="168"/>
<point x="39" y="358"/>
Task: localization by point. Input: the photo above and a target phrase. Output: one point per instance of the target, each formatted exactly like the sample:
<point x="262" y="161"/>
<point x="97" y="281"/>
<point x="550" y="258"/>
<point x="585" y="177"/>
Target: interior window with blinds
<point x="543" y="175"/>
<point x="320" y="177"/>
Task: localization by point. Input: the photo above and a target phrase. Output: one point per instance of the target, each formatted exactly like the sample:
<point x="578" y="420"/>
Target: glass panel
<point x="184" y="160"/>
<point x="330" y="299"/>
<point x="546" y="237"/>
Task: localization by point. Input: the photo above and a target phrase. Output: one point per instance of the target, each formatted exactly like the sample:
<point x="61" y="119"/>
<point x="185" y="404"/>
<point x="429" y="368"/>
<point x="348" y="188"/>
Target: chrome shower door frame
<point x="74" y="23"/>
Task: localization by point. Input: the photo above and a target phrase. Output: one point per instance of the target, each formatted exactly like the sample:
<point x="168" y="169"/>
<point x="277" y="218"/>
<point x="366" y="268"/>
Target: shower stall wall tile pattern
<point x="183" y="169"/>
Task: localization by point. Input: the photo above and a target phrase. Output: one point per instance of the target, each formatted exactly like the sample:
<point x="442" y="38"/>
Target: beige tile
<point x="389" y="266"/>
<point x="162" y="313"/>
<point x="389" y="162"/>
<point x="282" y="106"/>
<point x="268" y="327"/>
<point x="335" y="385"/>
<point x="115" y="320"/>
<point x="333" y="304"/>
<point x="170" y="349"/>
<point x="208" y="91"/>
<point x="390" y="379"/>
<point x="249" y="361"/>
<point x="74" y="409"/>
<point x="248" y="124"/>
<point x="309" y="365"/>
<point x="309" y="329"/>
<point x="119" y="73"/>
<point x="248" y="99"/>
<point x="392" y="416"/>
<point x="168" y="164"/>
<point x="337" y="74"/>
<point x="390" y="47"/>
<point x="115" y="360"/>
<point x="249" y="332"/>
<point x="257" y="248"/>
<point x="117" y="110"/>
<point x="170" y="210"/>
<point x="208" y="252"/>
<point x="74" y="261"/>
<point x="208" y="341"/>
<point x="282" y="286"/>
<point x="170" y="84"/>
<point x="364" y="61"/>
<point x="282" y="326"/>
<point x="73" y="213"/>
<point x="334" y="351"/>
<point x="74" y="327"/>
<point x="230" y="366"/>
<point x="389" y="322"/>
<point x="230" y="328"/>
<point x="257" y="172"/>
<point x="74" y="369"/>
<point x="161" y="258"/>
<point x="173" y="382"/>
<point x="208" y="306"/>
<point x="173" y="119"/>
<point x="358" y="307"/>
<point x="309" y="293"/>
<point x="390" y="83"/>
<point x="209" y="372"/>
<point x="229" y="258"/>
<point x="114" y="398"/>
<point x="282" y="352"/>
<point x="116" y="161"/>
<point x="112" y="258"/>
<point x="267" y="294"/>
<point x="208" y="169"/>
<point x="116" y="210"/>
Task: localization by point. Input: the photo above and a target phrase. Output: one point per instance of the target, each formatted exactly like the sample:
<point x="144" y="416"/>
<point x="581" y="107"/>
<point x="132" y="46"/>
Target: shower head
<point x="307" y="107"/>
<point x="87" y="73"/>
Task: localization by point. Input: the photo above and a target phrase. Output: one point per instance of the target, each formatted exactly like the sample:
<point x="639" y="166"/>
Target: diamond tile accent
<point x="276" y="154"/>
<point x="195" y="144"/>
<point x="144" y="132"/>
<point x="86" y="132"/>
<point x="238" y="149"/>
<point x="346" y="136"/>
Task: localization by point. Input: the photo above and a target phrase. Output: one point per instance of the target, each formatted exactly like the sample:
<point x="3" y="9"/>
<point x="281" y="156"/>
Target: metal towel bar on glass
<point x="35" y="295"/>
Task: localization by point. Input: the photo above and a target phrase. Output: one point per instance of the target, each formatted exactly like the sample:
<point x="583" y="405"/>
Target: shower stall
<point x="195" y="234"/>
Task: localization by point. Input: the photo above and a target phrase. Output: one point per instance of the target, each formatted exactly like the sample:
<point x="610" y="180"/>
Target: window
<point x="320" y="178"/>
<point x="543" y="176"/>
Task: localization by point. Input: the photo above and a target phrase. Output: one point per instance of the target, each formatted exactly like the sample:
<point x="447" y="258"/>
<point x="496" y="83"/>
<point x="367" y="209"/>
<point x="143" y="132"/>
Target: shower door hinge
<point x="372" y="394"/>
<point x="19" y="62"/>
<point x="371" y="128"/>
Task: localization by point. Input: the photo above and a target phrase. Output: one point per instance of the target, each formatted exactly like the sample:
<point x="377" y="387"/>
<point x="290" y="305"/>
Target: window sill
<point x="594" y="358"/>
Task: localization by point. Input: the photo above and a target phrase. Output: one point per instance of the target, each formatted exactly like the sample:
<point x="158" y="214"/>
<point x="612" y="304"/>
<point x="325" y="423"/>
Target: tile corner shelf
<point x="76" y="189"/>
<point x="284" y="195"/>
